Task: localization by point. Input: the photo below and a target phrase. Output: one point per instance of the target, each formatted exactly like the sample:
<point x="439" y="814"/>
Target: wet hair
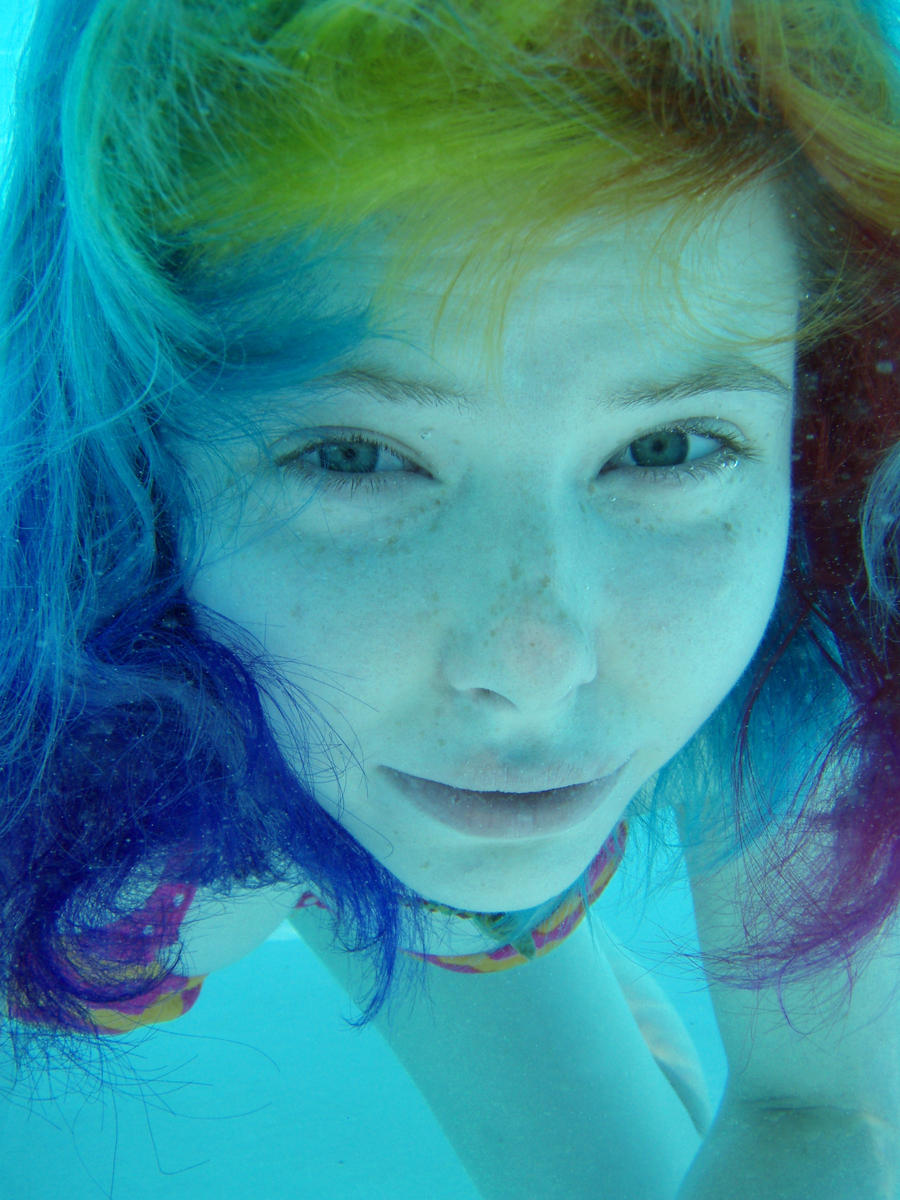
<point x="178" y="172"/>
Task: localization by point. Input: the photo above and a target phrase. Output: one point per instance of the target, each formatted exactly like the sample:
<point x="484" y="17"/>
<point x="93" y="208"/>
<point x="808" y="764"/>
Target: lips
<point x="487" y="775"/>
<point x="504" y="814"/>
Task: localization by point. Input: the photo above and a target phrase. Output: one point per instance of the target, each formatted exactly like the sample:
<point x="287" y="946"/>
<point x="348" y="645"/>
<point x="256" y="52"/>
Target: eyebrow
<point x="737" y="375"/>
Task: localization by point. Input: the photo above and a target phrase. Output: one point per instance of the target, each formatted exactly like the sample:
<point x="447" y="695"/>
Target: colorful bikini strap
<point x="540" y="938"/>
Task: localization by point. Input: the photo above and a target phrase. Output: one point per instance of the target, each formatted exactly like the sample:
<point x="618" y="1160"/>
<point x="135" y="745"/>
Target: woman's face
<point x="536" y="582"/>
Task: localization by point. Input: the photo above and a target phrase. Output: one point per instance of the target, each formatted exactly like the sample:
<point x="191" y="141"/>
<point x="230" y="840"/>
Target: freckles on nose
<point x="507" y="592"/>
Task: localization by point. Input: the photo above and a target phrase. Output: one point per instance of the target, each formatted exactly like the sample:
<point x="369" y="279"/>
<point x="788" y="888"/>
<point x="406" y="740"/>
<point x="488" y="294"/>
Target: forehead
<point x="623" y="299"/>
<point x="721" y="279"/>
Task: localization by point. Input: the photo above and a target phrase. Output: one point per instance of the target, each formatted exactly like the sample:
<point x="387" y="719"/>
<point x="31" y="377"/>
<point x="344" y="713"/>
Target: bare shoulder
<point x="218" y="930"/>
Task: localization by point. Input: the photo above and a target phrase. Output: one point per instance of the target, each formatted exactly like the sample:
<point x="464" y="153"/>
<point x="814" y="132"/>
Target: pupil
<point x="348" y="456"/>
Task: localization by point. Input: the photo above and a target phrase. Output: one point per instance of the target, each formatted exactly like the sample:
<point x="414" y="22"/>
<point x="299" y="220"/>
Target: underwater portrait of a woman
<point x="444" y="445"/>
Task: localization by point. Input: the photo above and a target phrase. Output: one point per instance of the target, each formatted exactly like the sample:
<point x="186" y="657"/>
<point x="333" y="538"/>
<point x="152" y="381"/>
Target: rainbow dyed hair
<point x="175" y="168"/>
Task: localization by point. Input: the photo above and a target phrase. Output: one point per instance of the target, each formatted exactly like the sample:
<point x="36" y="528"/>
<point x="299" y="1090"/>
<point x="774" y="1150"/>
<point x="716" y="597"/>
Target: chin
<point x="504" y="897"/>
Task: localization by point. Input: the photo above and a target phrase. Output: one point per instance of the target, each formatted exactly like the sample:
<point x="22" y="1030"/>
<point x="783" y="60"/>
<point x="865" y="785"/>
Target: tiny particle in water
<point x="885" y="367"/>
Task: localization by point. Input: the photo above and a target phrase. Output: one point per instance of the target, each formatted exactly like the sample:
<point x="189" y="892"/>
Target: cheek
<point x="356" y="610"/>
<point x="699" y="605"/>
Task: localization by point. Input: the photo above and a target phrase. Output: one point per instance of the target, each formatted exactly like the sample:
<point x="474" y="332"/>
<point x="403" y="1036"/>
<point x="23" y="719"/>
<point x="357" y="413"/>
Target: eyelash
<point x="705" y="468"/>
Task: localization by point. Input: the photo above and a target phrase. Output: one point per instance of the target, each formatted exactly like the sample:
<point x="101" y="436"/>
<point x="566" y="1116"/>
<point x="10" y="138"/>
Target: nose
<point x="524" y="631"/>
<point x="531" y="664"/>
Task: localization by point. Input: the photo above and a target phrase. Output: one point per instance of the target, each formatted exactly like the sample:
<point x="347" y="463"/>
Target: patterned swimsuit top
<point x="138" y="939"/>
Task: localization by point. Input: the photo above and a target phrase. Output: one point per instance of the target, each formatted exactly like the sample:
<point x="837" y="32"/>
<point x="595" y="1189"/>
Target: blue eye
<point x="654" y="452"/>
<point x="347" y="463"/>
